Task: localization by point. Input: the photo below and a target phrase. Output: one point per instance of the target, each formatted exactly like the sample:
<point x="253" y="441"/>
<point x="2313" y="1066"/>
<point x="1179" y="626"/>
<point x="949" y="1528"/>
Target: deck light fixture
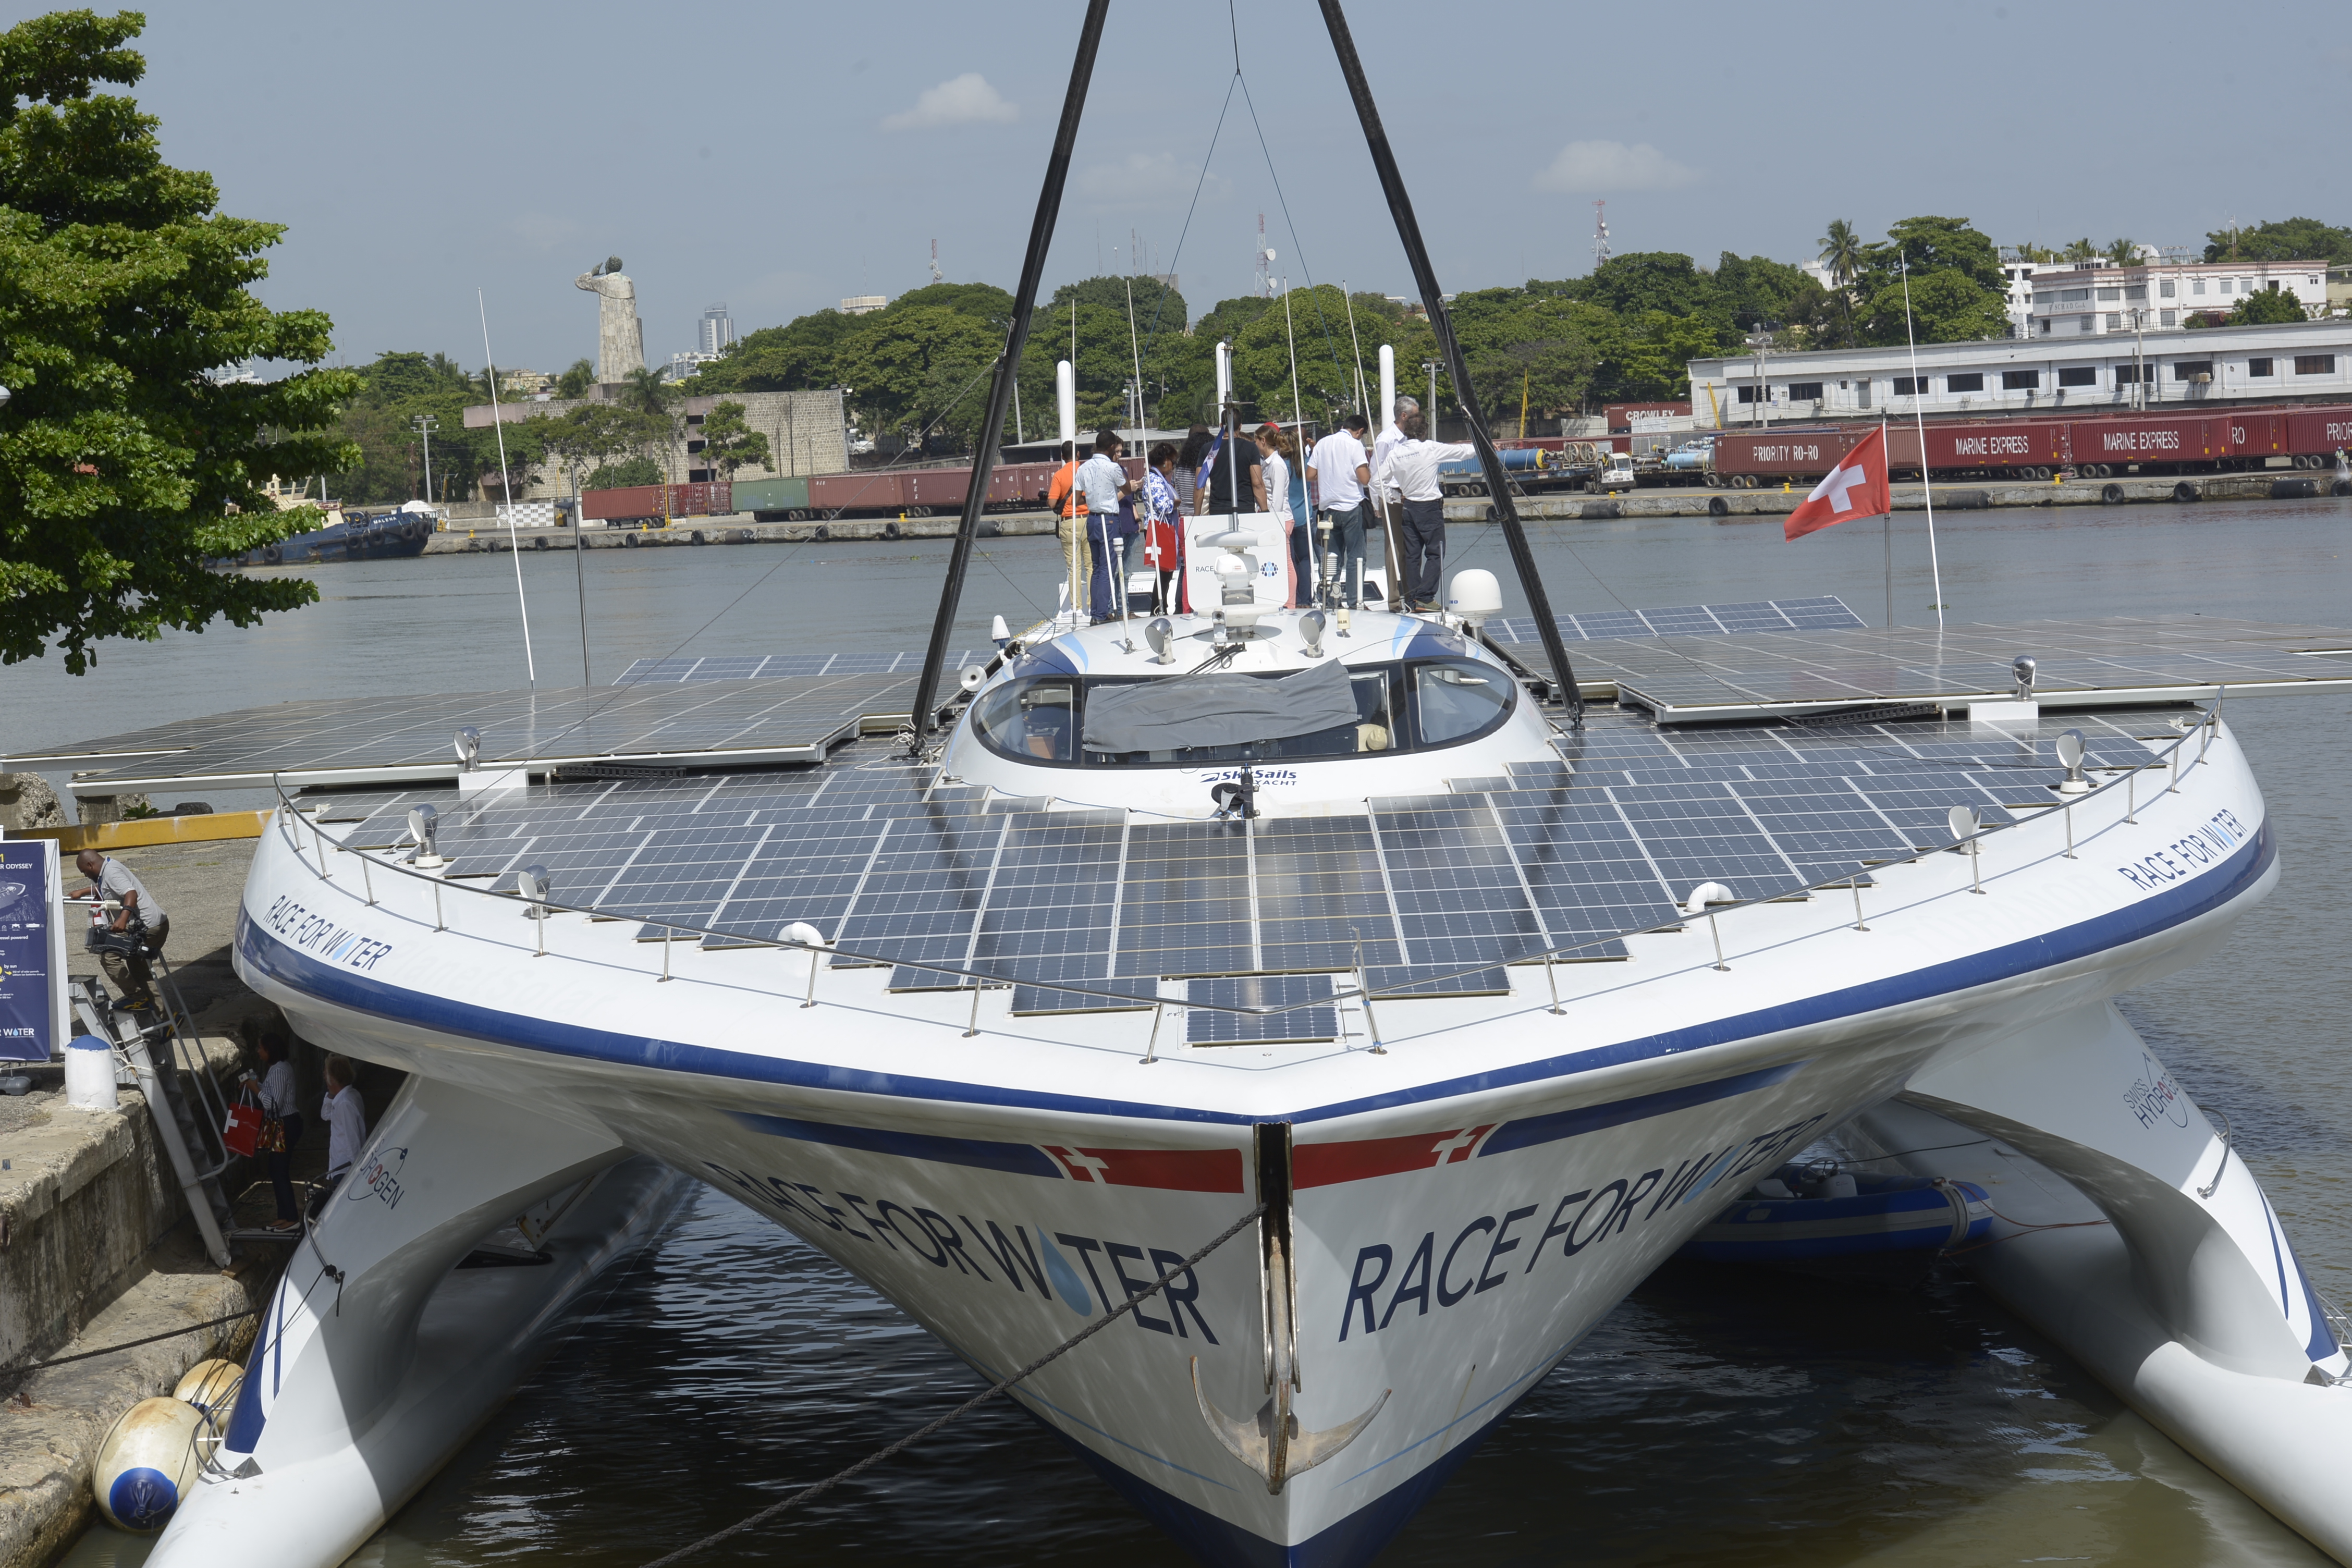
<point x="424" y="824"/>
<point x="470" y="749"/>
<point x="1160" y="632"/>
<point x="2069" y="747"/>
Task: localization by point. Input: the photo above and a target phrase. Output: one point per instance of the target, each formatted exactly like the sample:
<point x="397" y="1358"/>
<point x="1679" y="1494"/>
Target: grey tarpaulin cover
<point x="1190" y="711"/>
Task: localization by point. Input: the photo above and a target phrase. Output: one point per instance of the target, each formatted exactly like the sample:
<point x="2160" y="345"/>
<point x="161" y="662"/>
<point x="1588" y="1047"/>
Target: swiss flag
<point x="1855" y="487"/>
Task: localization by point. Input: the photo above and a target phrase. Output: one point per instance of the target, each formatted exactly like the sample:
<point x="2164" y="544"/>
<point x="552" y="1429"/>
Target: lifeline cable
<point x="977" y="1400"/>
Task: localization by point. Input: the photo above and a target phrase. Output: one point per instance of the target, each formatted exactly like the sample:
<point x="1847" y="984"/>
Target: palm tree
<point x="2082" y="252"/>
<point x="1842" y="256"/>
<point x="2124" y="253"/>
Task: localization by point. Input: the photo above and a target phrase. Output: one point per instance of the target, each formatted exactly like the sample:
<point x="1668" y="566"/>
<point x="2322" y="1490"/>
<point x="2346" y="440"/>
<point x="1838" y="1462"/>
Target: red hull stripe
<point x="1175" y="1169"/>
<point x="1323" y="1165"/>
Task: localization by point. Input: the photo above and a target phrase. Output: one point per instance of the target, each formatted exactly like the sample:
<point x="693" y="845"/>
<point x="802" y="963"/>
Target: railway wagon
<point x="652" y="503"/>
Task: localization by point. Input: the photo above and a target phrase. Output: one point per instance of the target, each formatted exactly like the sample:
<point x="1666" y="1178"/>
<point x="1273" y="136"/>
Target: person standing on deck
<point x="1103" y="481"/>
<point x="1162" y="510"/>
<point x="1275" y="449"/>
<point x="1411" y="470"/>
<point x="1341" y="470"/>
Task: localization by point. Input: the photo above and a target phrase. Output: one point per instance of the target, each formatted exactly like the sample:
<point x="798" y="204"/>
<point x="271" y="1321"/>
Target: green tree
<point x="728" y="442"/>
<point x="2123" y="253"/>
<point x="1156" y="304"/>
<point x="794" y="357"/>
<point x="2080" y="252"/>
<point x="912" y="371"/>
<point x="1840" y="255"/>
<point x="983" y="302"/>
<point x="1948" y="306"/>
<point x="123" y="468"/>
<point x="2265" y="307"/>
<point x="2290" y="240"/>
<point x="638" y="470"/>
<point x="1933" y="244"/>
<point x="1641" y="282"/>
<point x="576" y="380"/>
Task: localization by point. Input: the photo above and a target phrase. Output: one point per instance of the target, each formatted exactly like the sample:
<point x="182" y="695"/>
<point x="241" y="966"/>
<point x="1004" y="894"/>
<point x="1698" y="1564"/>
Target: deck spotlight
<point x="469" y="748"/>
<point x="1310" y="632"/>
<point x="530" y="883"/>
<point x="802" y="934"/>
<point x="1160" y="631"/>
<point x="1702" y="896"/>
<point x="2069" y="747"/>
<point x="2022" y="667"/>
<point x="1964" y="821"/>
<point x="971" y="677"/>
<point x="424" y="826"/>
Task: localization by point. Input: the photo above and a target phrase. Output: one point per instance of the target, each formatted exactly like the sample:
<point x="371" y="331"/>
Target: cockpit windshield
<point x="1181" y="721"/>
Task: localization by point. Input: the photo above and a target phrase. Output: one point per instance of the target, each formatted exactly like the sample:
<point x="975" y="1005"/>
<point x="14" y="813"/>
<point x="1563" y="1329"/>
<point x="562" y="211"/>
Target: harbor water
<point x="1716" y="1418"/>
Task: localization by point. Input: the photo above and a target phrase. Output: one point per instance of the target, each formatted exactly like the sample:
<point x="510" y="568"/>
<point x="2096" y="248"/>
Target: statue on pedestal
<point x="620" y="333"/>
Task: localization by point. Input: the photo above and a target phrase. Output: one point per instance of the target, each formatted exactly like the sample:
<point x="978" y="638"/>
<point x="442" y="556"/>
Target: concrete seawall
<point x="742" y="528"/>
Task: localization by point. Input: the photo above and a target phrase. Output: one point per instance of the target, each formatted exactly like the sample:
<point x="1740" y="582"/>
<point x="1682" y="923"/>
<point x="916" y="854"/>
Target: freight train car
<point x="2105" y="446"/>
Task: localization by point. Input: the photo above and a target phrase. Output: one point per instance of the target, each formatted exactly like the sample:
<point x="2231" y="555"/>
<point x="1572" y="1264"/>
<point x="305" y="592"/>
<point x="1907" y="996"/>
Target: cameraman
<point x="141" y="920"/>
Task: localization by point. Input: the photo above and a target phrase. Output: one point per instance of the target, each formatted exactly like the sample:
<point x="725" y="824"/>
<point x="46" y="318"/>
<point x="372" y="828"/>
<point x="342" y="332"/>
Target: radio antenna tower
<point x="937" y="276"/>
<point x="1600" y="234"/>
<point x="1264" y="256"/>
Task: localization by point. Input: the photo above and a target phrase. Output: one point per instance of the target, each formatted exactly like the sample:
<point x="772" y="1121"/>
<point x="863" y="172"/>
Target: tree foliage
<point x="628" y="471"/>
<point x="2290" y="240"/>
<point x="728" y="442"/>
<point x="123" y="468"/>
<point x="2267" y="306"/>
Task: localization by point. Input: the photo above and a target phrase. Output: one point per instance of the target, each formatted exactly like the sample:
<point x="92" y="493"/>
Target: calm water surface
<point x="1714" y="1418"/>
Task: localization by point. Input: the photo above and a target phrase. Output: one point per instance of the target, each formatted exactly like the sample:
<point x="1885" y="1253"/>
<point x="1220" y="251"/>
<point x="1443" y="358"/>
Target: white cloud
<point x="1148" y="179"/>
<point x="966" y="100"/>
<point x="1612" y="166"/>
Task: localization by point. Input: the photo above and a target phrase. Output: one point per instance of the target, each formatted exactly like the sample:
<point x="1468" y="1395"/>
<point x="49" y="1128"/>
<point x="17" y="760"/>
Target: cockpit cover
<point x="1222" y="710"/>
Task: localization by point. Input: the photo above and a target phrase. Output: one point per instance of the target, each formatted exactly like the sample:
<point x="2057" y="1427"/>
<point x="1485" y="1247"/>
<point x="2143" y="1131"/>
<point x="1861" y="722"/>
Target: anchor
<point x="1272" y="1444"/>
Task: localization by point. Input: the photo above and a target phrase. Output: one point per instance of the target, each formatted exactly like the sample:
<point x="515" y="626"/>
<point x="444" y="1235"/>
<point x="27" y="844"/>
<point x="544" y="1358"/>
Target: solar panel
<point x="760" y="666"/>
<point x="362" y="740"/>
<point x="1308" y="1016"/>
<point x="1825" y="613"/>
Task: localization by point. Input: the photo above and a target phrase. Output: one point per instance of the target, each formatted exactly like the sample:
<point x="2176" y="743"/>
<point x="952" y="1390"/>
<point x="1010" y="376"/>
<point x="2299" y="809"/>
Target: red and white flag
<point x="1855" y="487"/>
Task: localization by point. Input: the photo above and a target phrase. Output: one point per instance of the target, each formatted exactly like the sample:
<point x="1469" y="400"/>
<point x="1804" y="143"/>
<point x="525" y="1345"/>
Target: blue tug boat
<point x="359" y="536"/>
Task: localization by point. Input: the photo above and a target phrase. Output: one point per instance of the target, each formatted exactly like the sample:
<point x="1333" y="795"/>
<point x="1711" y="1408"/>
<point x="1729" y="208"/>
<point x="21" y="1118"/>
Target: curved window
<point x="1033" y="721"/>
<point x="1038" y="719"/>
<point x="1456" y="699"/>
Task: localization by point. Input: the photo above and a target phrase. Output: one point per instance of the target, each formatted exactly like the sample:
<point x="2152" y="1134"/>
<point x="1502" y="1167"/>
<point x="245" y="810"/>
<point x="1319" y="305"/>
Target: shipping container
<point x="1619" y="417"/>
<point x="782" y="495"/>
<point x="629" y="503"/>
<point x="2319" y="433"/>
<point x="2166" y="442"/>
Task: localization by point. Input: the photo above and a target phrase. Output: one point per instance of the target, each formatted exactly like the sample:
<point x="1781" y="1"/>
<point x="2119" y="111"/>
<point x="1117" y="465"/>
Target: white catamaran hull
<point x="1463" y="1207"/>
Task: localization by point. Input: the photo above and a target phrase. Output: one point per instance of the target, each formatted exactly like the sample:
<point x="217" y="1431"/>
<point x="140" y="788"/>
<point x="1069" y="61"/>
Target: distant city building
<point x="2161" y="296"/>
<point x="863" y="304"/>
<point x="807" y="431"/>
<point x="718" y="330"/>
<point x="686" y="363"/>
<point x="523" y="383"/>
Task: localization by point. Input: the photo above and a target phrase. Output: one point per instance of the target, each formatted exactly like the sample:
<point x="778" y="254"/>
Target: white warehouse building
<point x="2161" y="296"/>
<point x="2301" y="362"/>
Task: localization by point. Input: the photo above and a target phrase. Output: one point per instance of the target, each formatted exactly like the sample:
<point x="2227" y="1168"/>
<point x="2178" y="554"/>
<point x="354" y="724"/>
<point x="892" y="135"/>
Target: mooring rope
<point x="805" y="1493"/>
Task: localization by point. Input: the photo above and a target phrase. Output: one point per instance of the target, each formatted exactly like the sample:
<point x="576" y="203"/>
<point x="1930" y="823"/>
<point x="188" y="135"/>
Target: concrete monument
<point x="620" y="333"/>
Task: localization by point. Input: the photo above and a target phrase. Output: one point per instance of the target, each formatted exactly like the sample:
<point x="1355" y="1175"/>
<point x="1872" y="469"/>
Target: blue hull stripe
<point x="1014" y="1159"/>
<point x="1528" y="1132"/>
<point x="2157" y="913"/>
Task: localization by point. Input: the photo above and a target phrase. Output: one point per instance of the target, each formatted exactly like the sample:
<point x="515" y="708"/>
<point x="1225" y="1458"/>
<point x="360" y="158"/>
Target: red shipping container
<point x="1791" y="454"/>
<point x="2000" y="448"/>
<point x="864" y="492"/>
<point x="1619" y="416"/>
<point x="2149" y="439"/>
<point x="630" y="501"/>
<point x="2319" y="432"/>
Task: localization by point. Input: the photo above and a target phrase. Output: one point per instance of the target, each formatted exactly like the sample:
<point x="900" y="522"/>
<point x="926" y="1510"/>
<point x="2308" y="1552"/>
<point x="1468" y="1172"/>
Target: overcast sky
<point x="781" y="157"/>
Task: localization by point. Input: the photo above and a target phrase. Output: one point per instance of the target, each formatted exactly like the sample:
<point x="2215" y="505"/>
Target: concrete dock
<point x="97" y="1249"/>
<point x="743" y="528"/>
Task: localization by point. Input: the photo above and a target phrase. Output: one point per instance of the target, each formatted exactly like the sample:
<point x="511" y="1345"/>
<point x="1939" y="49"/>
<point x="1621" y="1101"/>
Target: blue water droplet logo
<point x="1072" y="1289"/>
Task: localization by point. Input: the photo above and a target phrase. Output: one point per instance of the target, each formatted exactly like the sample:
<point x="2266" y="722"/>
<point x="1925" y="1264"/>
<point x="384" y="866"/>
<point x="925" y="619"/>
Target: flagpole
<point x="1920" y="416"/>
<point x="1886" y="525"/>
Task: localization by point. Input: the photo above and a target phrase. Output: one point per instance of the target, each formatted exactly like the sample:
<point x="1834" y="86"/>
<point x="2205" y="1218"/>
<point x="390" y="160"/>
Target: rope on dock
<point x="128" y="1344"/>
<point x="805" y="1493"/>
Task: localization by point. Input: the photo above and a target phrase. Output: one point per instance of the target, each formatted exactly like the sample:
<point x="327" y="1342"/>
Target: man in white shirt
<point x="113" y="882"/>
<point x="346" y="1116"/>
<point x="1411" y="470"/>
<point x="1384" y="503"/>
<point x="1104" y="480"/>
<point x="1339" y="470"/>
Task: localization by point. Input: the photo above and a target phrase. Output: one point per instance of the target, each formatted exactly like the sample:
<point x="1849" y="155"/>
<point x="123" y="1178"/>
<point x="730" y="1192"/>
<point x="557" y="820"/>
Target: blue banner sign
<point x="32" y="980"/>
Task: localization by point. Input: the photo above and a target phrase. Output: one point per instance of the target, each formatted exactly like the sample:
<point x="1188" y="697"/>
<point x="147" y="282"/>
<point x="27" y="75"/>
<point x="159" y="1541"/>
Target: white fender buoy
<point x="211" y="1387"/>
<point x="147" y="1464"/>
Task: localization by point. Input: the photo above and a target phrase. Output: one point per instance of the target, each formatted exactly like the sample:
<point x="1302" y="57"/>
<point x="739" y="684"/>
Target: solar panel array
<point x="349" y="739"/>
<point x="1432" y="895"/>
<point x="1826" y="613"/>
<point x="2119" y="657"/>
<point x="763" y="667"/>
